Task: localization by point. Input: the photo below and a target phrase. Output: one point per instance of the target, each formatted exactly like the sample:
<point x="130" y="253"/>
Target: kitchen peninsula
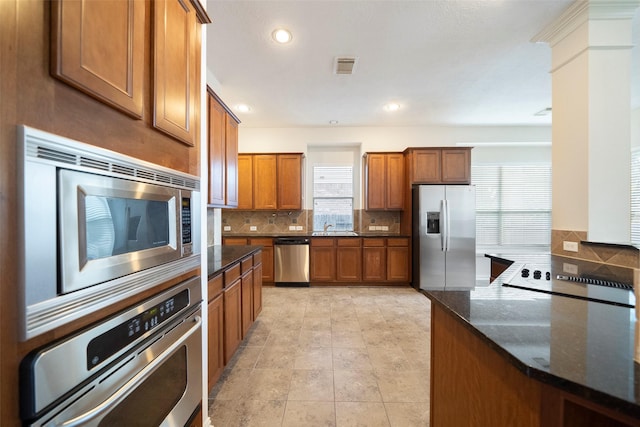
<point x="504" y="356"/>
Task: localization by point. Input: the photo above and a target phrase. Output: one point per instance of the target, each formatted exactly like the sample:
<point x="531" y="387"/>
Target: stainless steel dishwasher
<point x="291" y="261"/>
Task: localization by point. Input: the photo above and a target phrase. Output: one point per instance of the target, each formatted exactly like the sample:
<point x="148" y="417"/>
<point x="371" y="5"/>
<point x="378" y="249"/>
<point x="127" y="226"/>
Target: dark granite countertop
<point x="220" y="257"/>
<point x="377" y="234"/>
<point x="579" y="346"/>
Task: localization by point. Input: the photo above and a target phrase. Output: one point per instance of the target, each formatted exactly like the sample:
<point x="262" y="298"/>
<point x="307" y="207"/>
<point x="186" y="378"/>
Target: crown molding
<point x="582" y="11"/>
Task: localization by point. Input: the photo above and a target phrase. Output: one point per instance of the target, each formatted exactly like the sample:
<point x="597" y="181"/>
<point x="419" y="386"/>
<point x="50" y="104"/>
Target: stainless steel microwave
<point x="97" y="226"/>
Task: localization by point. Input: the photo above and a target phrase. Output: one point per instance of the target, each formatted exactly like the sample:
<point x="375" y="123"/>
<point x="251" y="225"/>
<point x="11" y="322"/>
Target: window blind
<point x="513" y="204"/>
<point x="635" y="196"/>
<point x="333" y="197"/>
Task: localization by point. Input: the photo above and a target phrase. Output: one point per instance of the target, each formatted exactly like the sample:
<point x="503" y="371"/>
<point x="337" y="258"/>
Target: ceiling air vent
<point x="345" y="65"/>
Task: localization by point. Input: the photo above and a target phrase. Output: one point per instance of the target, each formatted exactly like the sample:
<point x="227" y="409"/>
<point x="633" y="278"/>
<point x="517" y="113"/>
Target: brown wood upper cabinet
<point x="177" y="69"/>
<point x="223" y="153"/>
<point x="100" y="48"/>
<point x="270" y="181"/>
<point x="384" y="181"/>
<point x="439" y="165"/>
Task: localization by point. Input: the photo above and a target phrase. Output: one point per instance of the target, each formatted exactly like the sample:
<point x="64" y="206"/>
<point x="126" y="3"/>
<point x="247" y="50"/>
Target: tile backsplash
<point x="286" y="222"/>
<point x="623" y="256"/>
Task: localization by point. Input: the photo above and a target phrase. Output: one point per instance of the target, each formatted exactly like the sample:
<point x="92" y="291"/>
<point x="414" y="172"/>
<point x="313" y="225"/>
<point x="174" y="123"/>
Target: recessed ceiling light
<point x="243" y="108"/>
<point x="392" y="106"/>
<point x="282" y="35"/>
<point x="333" y="122"/>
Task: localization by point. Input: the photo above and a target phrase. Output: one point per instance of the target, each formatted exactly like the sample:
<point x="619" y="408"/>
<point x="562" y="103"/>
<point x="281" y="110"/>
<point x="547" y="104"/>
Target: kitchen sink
<point x="334" y="233"/>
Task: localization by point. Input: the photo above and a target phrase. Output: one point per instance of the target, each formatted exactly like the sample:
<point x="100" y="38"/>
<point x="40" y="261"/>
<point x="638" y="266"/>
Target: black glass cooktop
<point x="545" y="278"/>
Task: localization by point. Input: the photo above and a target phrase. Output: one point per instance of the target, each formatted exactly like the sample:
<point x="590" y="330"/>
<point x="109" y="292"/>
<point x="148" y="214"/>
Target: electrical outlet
<point x="385" y="228"/>
<point x="253" y="228"/>
<point x="299" y="228"/>
<point x="569" y="268"/>
<point x="372" y="227"/>
<point x="570" y="246"/>
<point x="227" y="228"/>
<point x="292" y="228"/>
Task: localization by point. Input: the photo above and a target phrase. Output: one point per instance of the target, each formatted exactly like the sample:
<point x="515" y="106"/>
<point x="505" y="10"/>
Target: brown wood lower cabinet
<point x="374" y="260"/>
<point x="235" y="301"/>
<point x="257" y="285"/>
<point x="267" y="257"/>
<point x="232" y="319"/>
<point x="471" y="384"/>
<point x="379" y="260"/>
<point x="267" y="253"/>
<point x="322" y="261"/>
<point x="398" y="259"/>
<point x="215" y="347"/>
<point x="247" y="301"/>
<point x="348" y="260"/>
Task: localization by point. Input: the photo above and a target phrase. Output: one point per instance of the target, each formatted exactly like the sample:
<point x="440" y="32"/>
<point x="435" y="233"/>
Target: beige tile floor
<point x="337" y="356"/>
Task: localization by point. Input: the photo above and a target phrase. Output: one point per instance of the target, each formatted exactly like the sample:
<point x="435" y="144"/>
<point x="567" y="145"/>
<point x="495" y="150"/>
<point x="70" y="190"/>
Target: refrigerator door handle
<point x="443" y="225"/>
<point x="446" y="226"/>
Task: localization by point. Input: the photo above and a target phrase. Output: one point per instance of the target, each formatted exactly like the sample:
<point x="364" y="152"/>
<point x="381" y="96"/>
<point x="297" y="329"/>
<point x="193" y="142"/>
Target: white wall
<point x="635" y="128"/>
<point x="255" y="140"/>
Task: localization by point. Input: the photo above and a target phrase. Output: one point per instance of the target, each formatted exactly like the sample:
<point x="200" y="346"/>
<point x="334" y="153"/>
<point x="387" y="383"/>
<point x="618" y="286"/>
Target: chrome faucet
<point x="326" y="226"/>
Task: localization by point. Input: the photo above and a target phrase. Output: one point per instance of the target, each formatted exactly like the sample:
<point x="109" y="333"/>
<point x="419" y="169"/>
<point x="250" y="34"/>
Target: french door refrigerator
<point x="444" y="236"/>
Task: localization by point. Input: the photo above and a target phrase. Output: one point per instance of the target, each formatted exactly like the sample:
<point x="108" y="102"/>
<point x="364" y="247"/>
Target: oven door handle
<point x="134" y="382"/>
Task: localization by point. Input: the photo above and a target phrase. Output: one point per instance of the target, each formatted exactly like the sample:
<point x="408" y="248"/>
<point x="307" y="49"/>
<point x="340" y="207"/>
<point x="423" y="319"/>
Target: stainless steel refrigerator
<point x="444" y="236"/>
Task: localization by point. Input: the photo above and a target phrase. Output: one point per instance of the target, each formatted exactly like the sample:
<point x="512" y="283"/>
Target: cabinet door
<point x="398" y="260"/>
<point x="257" y="290"/>
<point x="264" y="181"/>
<point x="247" y="302"/>
<point x="425" y="166"/>
<point x="98" y="48"/>
<point x="267" y="258"/>
<point x="289" y="181"/>
<point x="215" y="340"/>
<point x="456" y="166"/>
<point x="322" y="262"/>
<point x="375" y="181"/>
<point x="374" y="260"/>
<point x="232" y="319"/>
<point x="176" y="69"/>
<point x="348" y="260"/>
<point x="395" y="186"/>
<point x="217" y="152"/>
<point x="231" y="155"/>
<point x="245" y="181"/>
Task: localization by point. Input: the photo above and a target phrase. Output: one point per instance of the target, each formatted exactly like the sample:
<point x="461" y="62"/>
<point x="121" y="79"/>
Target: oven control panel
<point x="103" y="346"/>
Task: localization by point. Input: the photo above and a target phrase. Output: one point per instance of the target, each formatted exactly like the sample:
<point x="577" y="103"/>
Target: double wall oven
<point x="98" y="227"/>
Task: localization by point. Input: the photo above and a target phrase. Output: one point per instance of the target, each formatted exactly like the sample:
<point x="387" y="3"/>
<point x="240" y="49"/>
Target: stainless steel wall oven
<point x="97" y="227"/>
<point x="141" y="367"/>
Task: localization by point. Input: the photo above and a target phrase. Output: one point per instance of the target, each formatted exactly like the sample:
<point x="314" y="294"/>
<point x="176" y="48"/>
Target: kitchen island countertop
<point x="219" y="257"/>
<point x="581" y="347"/>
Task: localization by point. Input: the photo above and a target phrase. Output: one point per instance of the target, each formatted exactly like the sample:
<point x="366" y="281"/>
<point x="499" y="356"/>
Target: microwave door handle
<point x="134" y="382"/>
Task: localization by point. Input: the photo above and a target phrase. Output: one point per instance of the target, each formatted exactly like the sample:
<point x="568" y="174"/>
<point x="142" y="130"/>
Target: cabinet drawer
<point x="398" y="242"/>
<point x="214" y="286"/>
<point x="257" y="258"/>
<point x="246" y="265"/>
<point x="261" y="242"/>
<point x="372" y="243"/>
<point x="235" y="241"/>
<point x="350" y="242"/>
<point x="231" y="274"/>
<point x="322" y="242"/>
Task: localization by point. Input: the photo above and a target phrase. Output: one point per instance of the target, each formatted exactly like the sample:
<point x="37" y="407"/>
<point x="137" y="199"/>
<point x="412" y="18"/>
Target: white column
<point x="591" y="130"/>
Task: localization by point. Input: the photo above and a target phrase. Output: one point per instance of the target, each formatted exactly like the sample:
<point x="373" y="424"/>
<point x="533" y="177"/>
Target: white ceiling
<point x="446" y="62"/>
